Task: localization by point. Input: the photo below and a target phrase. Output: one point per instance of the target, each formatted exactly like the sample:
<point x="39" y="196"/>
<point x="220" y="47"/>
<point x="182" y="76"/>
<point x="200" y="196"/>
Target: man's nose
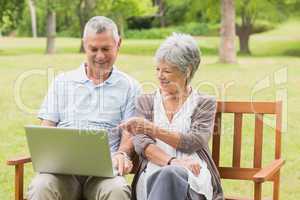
<point x="99" y="54"/>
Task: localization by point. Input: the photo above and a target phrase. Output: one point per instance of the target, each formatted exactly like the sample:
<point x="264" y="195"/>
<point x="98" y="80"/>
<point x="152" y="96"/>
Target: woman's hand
<point x="188" y="163"/>
<point x="138" y="125"/>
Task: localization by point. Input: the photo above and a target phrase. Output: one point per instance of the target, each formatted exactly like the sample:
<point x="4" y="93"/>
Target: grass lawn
<point x="272" y="59"/>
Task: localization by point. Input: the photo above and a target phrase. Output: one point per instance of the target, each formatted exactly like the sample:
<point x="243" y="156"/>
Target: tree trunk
<point x="33" y="17"/>
<point x="227" y="53"/>
<point x="84" y="10"/>
<point x="161" y="7"/>
<point x="82" y="22"/>
<point x="51" y="31"/>
<point x="244" y="37"/>
<point x="244" y="32"/>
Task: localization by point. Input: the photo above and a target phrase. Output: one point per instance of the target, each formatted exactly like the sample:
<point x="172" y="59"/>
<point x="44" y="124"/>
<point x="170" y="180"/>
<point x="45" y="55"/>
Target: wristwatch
<point x="170" y="160"/>
<point x="123" y="153"/>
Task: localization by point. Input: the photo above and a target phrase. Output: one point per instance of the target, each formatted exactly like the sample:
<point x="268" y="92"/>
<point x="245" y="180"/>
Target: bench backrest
<point x="239" y="109"/>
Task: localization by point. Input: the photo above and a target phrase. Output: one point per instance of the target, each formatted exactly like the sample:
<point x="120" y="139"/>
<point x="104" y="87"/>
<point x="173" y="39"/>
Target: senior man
<point x="96" y="95"/>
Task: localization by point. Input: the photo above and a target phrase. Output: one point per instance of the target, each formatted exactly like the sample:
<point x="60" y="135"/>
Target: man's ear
<point x="119" y="43"/>
<point x="83" y="44"/>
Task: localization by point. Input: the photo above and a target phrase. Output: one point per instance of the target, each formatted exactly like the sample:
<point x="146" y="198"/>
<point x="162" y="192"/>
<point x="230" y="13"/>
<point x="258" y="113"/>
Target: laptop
<point x="70" y="151"/>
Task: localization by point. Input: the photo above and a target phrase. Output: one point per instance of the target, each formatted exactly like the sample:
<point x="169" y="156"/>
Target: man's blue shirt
<point x="75" y="101"/>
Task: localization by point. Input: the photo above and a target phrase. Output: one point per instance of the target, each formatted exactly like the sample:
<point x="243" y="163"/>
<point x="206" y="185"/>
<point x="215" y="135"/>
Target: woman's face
<point x="171" y="79"/>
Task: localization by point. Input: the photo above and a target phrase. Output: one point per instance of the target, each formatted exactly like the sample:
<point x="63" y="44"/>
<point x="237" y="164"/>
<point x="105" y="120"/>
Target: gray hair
<point x="182" y="51"/>
<point x="100" y="24"/>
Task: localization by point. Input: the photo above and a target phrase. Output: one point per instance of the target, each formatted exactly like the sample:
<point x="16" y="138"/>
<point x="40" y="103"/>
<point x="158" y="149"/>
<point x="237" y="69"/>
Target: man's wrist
<point x="121" y="153"/>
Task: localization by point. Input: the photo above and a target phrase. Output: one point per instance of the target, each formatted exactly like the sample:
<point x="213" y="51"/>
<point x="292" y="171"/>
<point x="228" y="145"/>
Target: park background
<point x="39" y="37"/>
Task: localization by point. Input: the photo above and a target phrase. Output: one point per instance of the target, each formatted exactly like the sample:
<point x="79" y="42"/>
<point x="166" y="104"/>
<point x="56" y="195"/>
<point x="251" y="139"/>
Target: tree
<point x="52" y="7"/>
<point x="85" y="9"/>
<point x="118" y="10"/>
<point x="10" y="14"/>
<point x="121" y="10"/>
<point x="227" y="52"/>
<point x="249" y="11"/>
<point x="51" y="27"/>
<point x="160" y="12"/>
<point x="32" y="9"/>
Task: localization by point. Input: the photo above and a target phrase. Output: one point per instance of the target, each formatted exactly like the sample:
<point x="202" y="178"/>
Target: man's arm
<point x="126" y="144"/>
<point x="126" y="149"/>
<point x="49" y="110"/>
<point x="121" y="158"/>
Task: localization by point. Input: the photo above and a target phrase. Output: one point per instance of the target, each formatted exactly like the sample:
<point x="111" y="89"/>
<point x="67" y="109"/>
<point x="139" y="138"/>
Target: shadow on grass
<point x="292" y="52"/>
<point x="149" y="50"/>
<point x="29" y="51"/>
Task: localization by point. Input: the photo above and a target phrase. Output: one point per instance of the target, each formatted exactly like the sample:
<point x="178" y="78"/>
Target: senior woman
<point x="172" y="130"/>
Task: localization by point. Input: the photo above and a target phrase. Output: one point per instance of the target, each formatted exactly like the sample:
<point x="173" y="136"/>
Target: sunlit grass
<point x="238" y="80"/>
<point x="227" y="82"/>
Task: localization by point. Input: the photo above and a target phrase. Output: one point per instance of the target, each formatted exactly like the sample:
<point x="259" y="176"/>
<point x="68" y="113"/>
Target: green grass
<point x="272" y="43"/>
<point x="227" y="82"/>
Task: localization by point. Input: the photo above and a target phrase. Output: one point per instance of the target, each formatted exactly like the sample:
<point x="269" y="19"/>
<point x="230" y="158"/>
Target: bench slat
<point x="258" y="141"/>
<point x="217" y="139"/>
<point x="237" y="140"/>
<point x="238" y="173"/>
<point x="247" y="107"/>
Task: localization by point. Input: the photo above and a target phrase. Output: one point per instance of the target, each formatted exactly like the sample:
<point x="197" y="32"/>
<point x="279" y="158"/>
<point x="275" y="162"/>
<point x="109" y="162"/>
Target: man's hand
<point x="122" y="163"/>
<point x="45" y="122"/>
<point x="188" y="163"/>
<point x="138" y="125"/>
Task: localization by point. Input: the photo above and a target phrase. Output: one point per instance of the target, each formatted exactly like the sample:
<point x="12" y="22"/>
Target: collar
<point x="79" y="75"/>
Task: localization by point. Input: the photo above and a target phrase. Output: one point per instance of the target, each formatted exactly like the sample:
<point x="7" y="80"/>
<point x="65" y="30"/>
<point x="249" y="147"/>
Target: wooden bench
<point x="258" y="174"/>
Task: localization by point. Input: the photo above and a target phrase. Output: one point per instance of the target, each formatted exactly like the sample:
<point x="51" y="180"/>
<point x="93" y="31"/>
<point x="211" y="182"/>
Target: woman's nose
<point x="160" y="75"/>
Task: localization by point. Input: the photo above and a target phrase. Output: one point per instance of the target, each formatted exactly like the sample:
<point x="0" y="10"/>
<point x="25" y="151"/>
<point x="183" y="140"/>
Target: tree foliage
<point x="10" y="13"/>
<point x="248" y="13"/>
<point x="121" y="10"/>
<point x="71" y="15"/>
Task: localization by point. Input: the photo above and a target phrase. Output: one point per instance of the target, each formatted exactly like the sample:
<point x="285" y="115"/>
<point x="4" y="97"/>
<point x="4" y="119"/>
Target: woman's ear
<point x="189" y="72"/>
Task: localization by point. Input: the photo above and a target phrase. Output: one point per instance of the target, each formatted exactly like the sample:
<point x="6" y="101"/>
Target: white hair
<point x="100" y="24"/>
<point x="182" y="51"/>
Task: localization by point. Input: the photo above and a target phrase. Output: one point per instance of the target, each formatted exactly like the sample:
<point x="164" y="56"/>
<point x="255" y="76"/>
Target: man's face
<point x="101" y="50"/>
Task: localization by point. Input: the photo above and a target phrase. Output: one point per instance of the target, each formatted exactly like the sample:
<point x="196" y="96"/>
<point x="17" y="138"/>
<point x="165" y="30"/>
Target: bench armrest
<point x="19" y="174"/>
<point x="265" y="173"/>
<point x="19" y="160"/>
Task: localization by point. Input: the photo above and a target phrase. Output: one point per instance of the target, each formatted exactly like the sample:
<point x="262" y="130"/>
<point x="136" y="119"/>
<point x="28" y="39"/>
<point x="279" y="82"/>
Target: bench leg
<point x="257" y="191"/>
<point x="276" y="185"/>
<point x="19" y="179"/>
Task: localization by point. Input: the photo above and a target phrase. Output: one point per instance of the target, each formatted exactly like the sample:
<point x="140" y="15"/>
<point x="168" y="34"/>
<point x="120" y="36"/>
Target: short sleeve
<point x="134" y="92"/>
<point x="49" y="108"/>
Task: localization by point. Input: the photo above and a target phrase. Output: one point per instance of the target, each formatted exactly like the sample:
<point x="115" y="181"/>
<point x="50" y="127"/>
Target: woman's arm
<point x="144" y="109"/>
<point x="156" y="155"/>
<point x="201" y="126"/>
<point x="197" y="137"/>
<point x="169" y="137"/>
